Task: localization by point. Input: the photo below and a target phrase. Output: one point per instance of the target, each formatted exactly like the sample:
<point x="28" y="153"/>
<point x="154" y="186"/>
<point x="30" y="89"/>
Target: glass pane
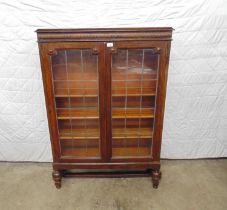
<point x="75" y="80"/>
<point x="134" y="81"/>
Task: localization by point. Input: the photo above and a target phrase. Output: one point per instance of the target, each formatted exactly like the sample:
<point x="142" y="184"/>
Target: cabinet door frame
<point x="163" y="49"/>
<point x="46" y="51"/>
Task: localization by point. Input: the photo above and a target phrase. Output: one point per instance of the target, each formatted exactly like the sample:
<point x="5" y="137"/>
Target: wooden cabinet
<point x="105" y="94"/>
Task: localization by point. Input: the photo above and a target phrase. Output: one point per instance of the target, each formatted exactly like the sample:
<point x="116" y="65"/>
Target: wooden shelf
<point x="132" y="95"/>
<point x="79" y="143"/>
<point x="74" y="96"/>
<point x="131" y="151"/>
<point x="133" y="73"/>
<point x="114" y="95"/>
<point x="133" y="142"/>
<point x="94" y="143"/>
<point x="137" y="91"/>
<point x="74" y="72"/>
<point x="84" y="133"/>
<point x="80" y="152"/>
<point x="119" y="133"/>
<point x="94" y="152"/>
<point x="116" y="92"/>
<point x="77" y="114"/>
<point x="65" y="91"/>
<point x="132" y="113"/>
<point x="117" y="113"/>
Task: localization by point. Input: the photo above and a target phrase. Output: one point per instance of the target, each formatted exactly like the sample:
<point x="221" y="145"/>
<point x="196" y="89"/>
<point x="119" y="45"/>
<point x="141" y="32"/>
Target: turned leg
<point x="156" y="176"/>
<point x="57" y="178"/>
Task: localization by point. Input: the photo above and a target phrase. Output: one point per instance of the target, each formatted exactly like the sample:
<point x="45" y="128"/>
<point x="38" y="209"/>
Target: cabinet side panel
<point x="160" y="103"/>
<point x="49" y="98"/>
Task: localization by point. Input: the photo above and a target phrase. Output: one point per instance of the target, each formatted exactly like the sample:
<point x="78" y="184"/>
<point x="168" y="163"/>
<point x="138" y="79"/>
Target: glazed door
<point x="77" y="77"/>
<point x="134" y="69"/>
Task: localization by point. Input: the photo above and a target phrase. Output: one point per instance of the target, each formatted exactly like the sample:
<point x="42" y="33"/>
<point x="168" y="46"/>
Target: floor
<point x="185" y="185"/>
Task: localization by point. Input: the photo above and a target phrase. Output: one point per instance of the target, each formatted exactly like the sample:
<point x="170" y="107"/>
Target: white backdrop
<point x="196" y="108"/>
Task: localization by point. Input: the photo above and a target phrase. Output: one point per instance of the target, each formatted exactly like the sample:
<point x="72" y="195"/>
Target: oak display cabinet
<point x="105" y="94"/>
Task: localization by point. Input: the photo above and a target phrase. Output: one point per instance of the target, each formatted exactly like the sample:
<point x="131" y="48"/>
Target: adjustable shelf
<point x="76" y="92"/>
<point x="121" y="133"/>
<point x="87" y="133"/>
<point x="131" y="152"/>
<point x="132" y="113"/>
<point x="118" y="93"/>
<point x="80" y="152"/>
<point x="94" y="152"/>
<point x="75" y="96"/>
<point x="94" y="113"/>
<point x="77" y="113"/>
<point x="131" y="142"/>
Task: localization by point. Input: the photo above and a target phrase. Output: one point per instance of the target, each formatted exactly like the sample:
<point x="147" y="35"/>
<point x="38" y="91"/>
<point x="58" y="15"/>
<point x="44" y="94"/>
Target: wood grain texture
<point x="102" y="34"/>
<point x="95" y="137"/>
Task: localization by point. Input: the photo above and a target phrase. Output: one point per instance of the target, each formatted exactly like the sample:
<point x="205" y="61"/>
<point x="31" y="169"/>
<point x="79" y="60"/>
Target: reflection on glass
<point x="75" y="80"/>
<point x="134" y="81"/>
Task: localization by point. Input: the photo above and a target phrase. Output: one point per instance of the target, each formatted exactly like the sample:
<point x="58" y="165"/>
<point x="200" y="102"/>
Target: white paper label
<point x="110" y="44"/>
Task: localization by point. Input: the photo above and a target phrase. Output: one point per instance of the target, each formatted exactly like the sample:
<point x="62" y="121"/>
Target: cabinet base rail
<point x="59" y="174"/>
